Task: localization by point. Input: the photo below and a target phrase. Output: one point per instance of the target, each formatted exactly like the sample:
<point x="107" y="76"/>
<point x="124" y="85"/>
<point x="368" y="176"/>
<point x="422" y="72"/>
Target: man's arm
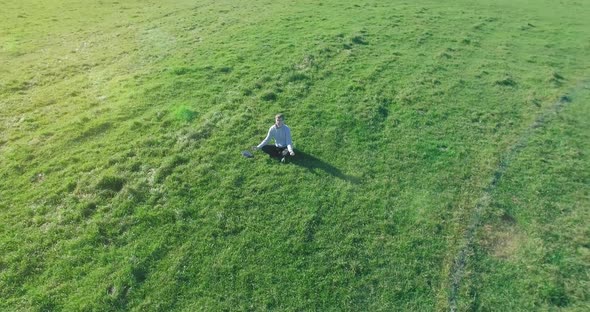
<point x="269" y="135"/>
<point x="289" y="142"/>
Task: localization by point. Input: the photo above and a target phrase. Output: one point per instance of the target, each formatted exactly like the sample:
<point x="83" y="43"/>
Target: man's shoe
<point x="283" y="160"/>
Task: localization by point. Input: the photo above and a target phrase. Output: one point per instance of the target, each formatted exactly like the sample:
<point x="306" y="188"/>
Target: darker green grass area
<point x="122" y="186"/>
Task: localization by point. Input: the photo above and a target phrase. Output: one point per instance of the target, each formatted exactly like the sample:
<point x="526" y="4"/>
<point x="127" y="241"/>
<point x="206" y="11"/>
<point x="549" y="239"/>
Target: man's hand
<point x="292" y="153"/>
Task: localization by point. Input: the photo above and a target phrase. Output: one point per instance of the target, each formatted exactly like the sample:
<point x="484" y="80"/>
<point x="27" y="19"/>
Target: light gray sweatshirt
<point x="281" y="135"/>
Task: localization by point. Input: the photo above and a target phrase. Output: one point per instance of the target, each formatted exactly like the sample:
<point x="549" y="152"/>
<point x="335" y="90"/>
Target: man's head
<point x="279" y="120"/>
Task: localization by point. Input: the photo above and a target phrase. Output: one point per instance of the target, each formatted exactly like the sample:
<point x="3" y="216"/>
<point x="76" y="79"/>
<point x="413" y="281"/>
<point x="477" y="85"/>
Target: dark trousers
<point x="276" y="152"/>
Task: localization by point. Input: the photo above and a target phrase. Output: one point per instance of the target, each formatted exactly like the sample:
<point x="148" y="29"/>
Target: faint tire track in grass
<point x="461" y="259"/>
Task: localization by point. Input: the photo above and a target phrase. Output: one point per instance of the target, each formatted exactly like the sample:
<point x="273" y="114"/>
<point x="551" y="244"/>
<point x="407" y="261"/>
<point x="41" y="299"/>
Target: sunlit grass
<point x="122" y="185"/>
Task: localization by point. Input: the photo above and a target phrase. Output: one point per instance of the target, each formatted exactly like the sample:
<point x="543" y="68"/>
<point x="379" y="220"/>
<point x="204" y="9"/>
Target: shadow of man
<point x="313" y="163"/>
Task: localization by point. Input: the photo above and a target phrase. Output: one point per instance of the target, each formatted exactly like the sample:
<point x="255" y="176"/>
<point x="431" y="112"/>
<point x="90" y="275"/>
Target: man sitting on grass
<point x="282" y="135"/>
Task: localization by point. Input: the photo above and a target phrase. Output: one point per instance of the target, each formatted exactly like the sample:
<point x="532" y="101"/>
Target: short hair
<point x="280" y="116"/>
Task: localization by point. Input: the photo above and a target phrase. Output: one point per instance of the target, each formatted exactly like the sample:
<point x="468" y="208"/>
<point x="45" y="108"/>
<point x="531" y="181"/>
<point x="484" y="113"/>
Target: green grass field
<point x="443" y="155"/>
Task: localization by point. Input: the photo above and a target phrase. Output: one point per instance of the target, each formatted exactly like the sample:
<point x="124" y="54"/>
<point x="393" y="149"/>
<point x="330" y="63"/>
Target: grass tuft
<point x="110" y="183"/>
<point x="506" y="82"/>
<point x="359" y="40"/>
<point x="185" y="114"/>
<point x="269" y="96"/>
